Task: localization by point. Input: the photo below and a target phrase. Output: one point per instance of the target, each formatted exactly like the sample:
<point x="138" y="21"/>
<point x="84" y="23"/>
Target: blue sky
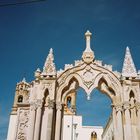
<point x="28" y="31"/>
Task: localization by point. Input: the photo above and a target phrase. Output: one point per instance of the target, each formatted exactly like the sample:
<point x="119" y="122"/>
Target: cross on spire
<point x="129" y="69"/>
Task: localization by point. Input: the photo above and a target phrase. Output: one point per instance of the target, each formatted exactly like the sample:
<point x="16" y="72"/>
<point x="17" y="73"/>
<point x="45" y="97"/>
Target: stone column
<point x="119" y="122"/>
<point x="133" y="119"/>
<point x="49" y="122"/>
<point x="127" y="125"/>
<point x="58" y="121"/>
<point x="138" y="119"/>
<point x="38" y="119"/>
<point x="31" y="121"/>
<point x="114" y="113"/>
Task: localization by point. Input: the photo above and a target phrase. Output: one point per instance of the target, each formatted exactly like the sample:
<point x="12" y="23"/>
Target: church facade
<point x="42" y="108"/>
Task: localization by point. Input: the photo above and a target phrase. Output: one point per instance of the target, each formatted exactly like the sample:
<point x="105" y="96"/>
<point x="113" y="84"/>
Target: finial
<point x="24" y="80"/>
<point x="37" y="73"/>
<point x="49" y="66"/>
<point x="88" y="54"/>
<point x="129" y="69"/>
<point x="51" y="51"/>
<point x="38" y="70"/>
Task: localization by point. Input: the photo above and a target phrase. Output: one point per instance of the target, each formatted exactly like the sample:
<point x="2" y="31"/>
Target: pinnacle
<point x="129" y="69"/>
<point x="49" y="66"/>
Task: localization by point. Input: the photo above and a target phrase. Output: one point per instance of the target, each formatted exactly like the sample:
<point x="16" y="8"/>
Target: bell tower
<point x="21" y="95"/>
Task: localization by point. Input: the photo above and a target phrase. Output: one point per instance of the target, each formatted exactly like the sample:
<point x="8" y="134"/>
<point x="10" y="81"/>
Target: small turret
<point x="21" y="95"/>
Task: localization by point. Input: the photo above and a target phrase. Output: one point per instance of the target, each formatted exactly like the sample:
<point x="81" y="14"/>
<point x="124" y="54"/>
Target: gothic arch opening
<point x="80" y="113"/>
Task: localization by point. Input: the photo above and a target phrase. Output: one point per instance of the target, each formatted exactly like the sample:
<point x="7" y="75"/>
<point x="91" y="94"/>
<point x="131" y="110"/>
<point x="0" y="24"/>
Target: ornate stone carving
<point x="59" y="106"/>
<point x="50" y="104"/>
<point x="88" y="78"/>
<point x="35" y="104"/>
<point x="22" y="124"/>
<point x="126" y="105"/>
<point x="118" y="107"/>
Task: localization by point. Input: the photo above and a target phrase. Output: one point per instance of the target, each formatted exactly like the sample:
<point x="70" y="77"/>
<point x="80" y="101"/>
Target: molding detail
<point x="126" y="105"/>
<point x="59" y="106"/>
<point x="118" y="107"/>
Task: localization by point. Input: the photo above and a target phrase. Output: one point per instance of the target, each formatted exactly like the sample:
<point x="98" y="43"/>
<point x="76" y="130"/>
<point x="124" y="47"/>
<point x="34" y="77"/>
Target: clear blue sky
<point x="28" y="31"/>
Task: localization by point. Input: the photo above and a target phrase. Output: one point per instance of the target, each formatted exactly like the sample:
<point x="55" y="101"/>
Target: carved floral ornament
<point x="36" y="104"/>
<point x="59" y="106"/>
<point x="51" y="104"/>
<point x="22" y="124"/>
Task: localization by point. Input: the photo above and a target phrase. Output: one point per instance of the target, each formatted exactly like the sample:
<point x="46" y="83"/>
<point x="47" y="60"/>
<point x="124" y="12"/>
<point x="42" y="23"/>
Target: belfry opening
<point x="47" y="107"/>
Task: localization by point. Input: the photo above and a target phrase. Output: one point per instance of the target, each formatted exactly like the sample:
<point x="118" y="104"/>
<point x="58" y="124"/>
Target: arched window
<point x="20" y="99"/>
<point x="131" y="94"/>
<point x="93" y="135"/>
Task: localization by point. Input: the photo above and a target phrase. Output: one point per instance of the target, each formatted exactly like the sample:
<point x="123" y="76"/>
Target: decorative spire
<point x="49" y="67"/>
<point x="88" y="54"/>
<point x="129" y="69"/>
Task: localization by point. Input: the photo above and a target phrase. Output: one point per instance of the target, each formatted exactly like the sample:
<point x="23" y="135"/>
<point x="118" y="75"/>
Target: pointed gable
<point x="129" y="69"/>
